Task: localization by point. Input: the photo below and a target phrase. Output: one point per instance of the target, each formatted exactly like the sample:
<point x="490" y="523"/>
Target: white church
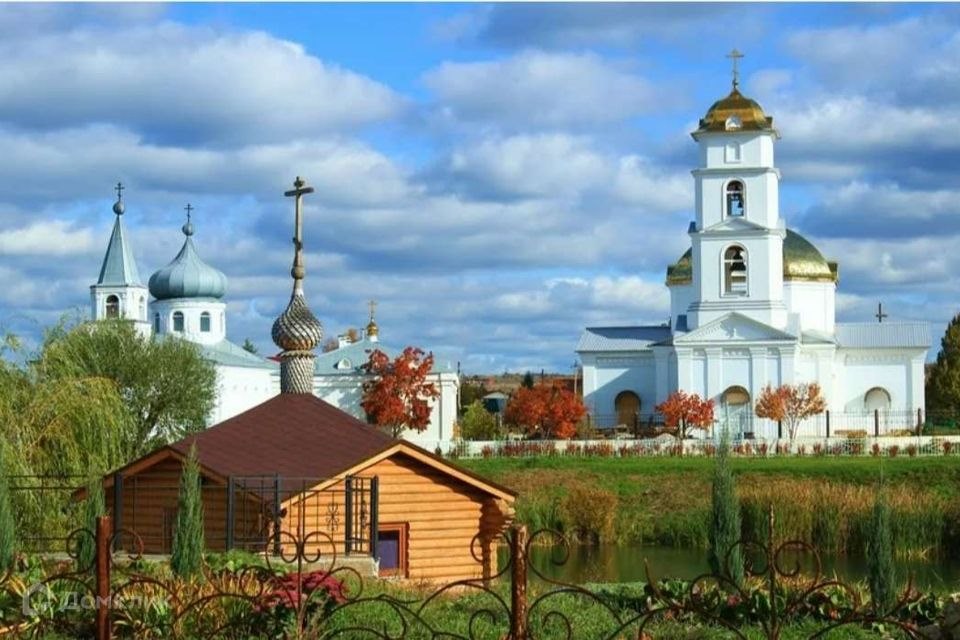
<point x="752" y="303"/>
<point x="184" y="300"/>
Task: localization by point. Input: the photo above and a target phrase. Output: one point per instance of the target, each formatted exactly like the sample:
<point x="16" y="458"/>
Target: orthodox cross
<point x="188" y="209"/>
<point x="880" y="315"/>
<point x="373" y="309"/>
<point x="298" y="191"/>
<point x="735" y="57"/>
<point x="119" y="189"/>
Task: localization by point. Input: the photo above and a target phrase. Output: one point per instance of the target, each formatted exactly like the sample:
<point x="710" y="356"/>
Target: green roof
<point x="119" y="267"/>
<point x="348" y="359"/>
<point x="229" y="354"/>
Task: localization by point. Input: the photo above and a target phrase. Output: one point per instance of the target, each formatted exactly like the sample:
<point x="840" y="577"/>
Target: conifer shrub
<point x="881" y="571"/>
<point x="186" y="559"/>
<point x="8" y="529"/>
<point x="93" y="507"/>
<point x="724" y="554"/>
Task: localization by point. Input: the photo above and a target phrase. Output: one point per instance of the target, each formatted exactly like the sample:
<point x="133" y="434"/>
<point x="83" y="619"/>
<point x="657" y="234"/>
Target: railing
<point x="250" y="513"/>
<point x="518" y="602"/>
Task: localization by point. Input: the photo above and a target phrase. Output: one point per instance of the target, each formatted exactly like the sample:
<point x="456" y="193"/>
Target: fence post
<point x="876" y="423"/>
<point x="636" y="424"/>
<point x="276" y="514"/>
<point x="919" y="421"/>
<point x="828" y="424"/>
<point x="102" y="600"/>
<point x="118" y="505"/>
<point x="779" y="429"/>
<point x="374" y="515"/>
<point x="518" y="584"/>
<point x="231" y="508"/>
<point x="348" y="511"/>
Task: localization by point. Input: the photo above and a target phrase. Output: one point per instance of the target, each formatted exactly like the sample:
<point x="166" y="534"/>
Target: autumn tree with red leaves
<point x="683" y="412"/>
<point x="546" y="411"/>
<point x="790" y="404"/>
<point x="398" y="396"/>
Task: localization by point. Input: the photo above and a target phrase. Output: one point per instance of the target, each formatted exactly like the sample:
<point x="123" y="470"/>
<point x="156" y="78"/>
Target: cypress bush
<point x="186" y="559"/>
<point x="881" y="571"/>
<point x="724" y="554"/>
<point x="93" y="507"/>
<point x="8" y="529"/>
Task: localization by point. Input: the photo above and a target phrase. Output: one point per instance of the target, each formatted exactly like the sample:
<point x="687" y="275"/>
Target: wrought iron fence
<point x="294" y="599"/>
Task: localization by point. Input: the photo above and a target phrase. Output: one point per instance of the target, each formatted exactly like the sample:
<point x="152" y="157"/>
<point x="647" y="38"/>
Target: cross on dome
<point x="735" y="56"/>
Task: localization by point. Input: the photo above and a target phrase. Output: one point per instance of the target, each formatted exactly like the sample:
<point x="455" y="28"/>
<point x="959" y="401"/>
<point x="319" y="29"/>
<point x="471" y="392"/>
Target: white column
<point x="788" y="366"/>
<point x="684" y="370"/>
<point x="759" y="378"/>
<point x="714" y="372"/>
<point x="661" y="360"/>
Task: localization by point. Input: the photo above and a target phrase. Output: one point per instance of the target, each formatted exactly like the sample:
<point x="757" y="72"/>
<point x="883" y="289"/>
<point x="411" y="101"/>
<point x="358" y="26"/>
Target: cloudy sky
<point x="496" y="176"/>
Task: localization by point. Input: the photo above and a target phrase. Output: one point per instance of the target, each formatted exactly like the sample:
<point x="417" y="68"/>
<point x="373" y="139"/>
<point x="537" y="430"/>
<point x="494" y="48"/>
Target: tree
<point x="725" y="554"/>
<point x="881" y="571"/>
<point x="527" y="382"/>
<point x="250" y="347"/>
<point x="94" y="506"/>
<point x="545" y="411"/>
<point x="471" y="391"/>
<point x="398" y="395"/>
<point x="186" y="557"/>
<point x="943" y="378"/>
<point x="478" y="424"/>
<point x="684" y="411"/>
<point x="8" y="532"/>
<point x="790" y="404"/>
<point x="167" y="388"/>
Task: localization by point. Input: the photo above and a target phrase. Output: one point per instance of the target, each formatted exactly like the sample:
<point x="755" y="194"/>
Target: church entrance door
<point x="738" y="412"/>
<point x="627" y="405"/>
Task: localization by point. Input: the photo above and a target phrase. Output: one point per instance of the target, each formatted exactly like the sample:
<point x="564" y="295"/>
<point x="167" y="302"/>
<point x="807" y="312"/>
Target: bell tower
<point x="119" y="293"/>
<point x="737" y="237"/>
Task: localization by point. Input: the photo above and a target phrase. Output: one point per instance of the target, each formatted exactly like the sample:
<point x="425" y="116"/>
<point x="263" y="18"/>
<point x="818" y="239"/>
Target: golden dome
<point x="736" y="112"/>
<point x="801" y="262"/>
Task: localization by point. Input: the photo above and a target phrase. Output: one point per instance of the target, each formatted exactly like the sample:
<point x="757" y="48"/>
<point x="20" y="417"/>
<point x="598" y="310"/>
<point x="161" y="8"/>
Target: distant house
<point x="495" y="402"/>
<point x="296" y="468"/>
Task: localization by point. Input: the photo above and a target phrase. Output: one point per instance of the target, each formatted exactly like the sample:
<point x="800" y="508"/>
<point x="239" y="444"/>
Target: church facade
<point x="184" y="300"/>
<point x="752" y="303"/>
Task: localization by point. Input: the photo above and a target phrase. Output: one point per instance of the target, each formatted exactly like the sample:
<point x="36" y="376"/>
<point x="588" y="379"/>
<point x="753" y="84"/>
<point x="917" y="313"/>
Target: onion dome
<point x="297" y="329"/>
<point x="736" y="112"/>
<point x="188" y="276"/>
<point x="801" y="262"/>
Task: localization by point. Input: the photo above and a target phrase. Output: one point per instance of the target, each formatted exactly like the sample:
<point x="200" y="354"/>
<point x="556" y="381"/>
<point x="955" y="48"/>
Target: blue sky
<point x="496" y="176"/>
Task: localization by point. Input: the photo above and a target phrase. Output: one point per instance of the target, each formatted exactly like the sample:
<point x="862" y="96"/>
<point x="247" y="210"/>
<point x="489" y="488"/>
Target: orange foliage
<point x="790" y="404"/>
<point x="683" y="411"/>
<point x="398" y="397"/>
<point x="546" y="410"/>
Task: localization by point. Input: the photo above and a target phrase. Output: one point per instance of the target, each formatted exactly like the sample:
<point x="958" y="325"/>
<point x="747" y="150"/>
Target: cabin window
<point x="735" y="271"/>
<point x="113" y="306"/>
<point x="205" y="322"/>
<point x="735" y="201"/>
<point x="156" y="323"/>
<point x="178" y="321"/>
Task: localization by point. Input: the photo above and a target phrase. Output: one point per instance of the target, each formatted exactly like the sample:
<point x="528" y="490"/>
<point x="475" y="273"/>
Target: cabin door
<point x="392" y="549"/>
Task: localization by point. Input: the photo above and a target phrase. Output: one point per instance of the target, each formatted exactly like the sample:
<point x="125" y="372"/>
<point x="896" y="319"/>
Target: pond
<point x="612" y="563"/>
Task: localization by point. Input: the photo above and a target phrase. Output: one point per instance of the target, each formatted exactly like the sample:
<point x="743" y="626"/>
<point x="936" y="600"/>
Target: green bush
<point x="93" y="507"/>
<point x="478" y="424"/>
<point x="724" y="554"/>
<point x="881" y="572"/>
<point x="589" y="511"/>
<point x="8" y="532"/>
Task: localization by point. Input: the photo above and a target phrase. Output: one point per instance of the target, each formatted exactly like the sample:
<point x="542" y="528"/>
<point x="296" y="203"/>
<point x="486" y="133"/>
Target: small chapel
<point x="185" y="300"/>
<point x="752" y="303"/>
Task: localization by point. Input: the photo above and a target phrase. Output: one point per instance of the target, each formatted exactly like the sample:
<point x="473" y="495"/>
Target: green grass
<point x="826" y="500"/>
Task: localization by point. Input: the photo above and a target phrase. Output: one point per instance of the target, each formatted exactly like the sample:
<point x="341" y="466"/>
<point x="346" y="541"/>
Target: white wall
<point x="241" y="388"/>
<point x="191" y="308"/>
<point x="606" y="376"/>
<point x="813" y="302"/>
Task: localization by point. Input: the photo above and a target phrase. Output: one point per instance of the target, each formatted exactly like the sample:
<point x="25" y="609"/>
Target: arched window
<point x="736" y="203"/>
<point x="627" y="406"/>
<point x="735" y="271"/>
<point x="113" y="306"/>
<point x="178" y="321"/>
<point x="205" y="322"/>
<point x="156" y="323"/>
<point x="876" y="399"/>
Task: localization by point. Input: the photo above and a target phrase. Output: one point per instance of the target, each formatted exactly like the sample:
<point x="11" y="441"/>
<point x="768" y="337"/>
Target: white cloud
<point x="46" y="238"/>
<point x="177" y="82"/>
<point x="542" y="89"/>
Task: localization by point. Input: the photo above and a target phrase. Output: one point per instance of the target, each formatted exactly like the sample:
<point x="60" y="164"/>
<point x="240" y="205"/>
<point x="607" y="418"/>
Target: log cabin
<point x="296" y="469"/>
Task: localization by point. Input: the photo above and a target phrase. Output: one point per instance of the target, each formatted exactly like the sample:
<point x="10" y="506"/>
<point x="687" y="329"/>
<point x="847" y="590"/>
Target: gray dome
<point x="187" y="276"/>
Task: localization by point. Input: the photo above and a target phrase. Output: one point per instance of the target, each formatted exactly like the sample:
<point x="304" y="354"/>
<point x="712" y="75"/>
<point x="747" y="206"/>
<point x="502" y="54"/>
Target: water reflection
<point x="610" y="563"/>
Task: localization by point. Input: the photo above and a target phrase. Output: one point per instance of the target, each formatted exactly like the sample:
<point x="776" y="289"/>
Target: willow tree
<point x="168" y="389"/>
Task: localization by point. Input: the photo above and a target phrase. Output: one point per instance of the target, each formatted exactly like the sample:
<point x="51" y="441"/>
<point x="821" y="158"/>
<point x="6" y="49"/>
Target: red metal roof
<point x="292" y="434"/>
